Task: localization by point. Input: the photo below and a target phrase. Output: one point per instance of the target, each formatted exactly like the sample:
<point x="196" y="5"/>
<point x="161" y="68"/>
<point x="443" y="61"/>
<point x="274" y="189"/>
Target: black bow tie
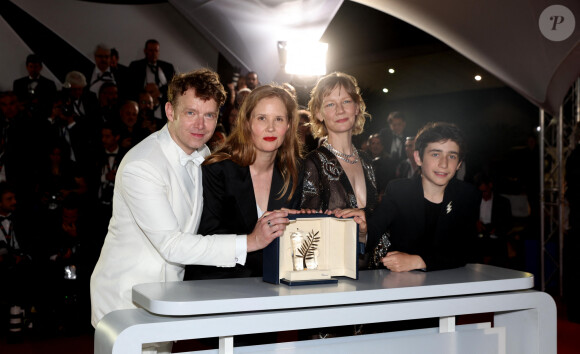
<point x="2" y="218"/>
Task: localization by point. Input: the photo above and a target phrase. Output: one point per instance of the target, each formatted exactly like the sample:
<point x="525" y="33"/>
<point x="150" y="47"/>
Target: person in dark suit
<point x="35" y="90"/>
<point x="151" y="70"/>
<point x="75" y="134"/>
<point x="18" y="156"/>
<point x="101" y="72"/>
<point x="130" y="130"/>
<point x="107" y="111"/>
<point x="58" y="177"/>
<point x="69" y="249"/>
<point x="83" y="101"/>
<point x="256" y="171"/>
<point x="107" y="158"/>
<point x="18" y="274"/>
<point x="393" y="137"/>
<point x="408" y="168"/>
<point x="430" y="219"/>
<point x="146" y="119"/>
<point x="383" y="165"/>
<point x="121" y="73"/>
<point x="495" y="221"/>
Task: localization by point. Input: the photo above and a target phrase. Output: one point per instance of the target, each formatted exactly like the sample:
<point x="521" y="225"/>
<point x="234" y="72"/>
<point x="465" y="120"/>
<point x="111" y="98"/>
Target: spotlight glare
<point x="391" y="71"/>
<point x="385" y="90"/>
<point x="477" y="77"/>
<point x="299" y="63"/>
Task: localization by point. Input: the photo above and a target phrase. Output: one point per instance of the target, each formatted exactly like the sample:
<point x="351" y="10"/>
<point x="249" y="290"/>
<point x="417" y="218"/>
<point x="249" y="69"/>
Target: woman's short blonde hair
<point x="322" y="89"/>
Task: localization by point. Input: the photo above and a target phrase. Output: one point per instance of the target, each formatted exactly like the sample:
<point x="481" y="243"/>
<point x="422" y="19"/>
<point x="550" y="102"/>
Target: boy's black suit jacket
<point x="402" y="213"/>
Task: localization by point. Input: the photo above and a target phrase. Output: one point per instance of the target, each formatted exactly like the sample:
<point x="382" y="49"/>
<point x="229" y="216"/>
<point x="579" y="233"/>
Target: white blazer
<point x="152" y="234"/>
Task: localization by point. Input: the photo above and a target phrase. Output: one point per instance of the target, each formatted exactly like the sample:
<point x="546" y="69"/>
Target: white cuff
<point x="241" y="249"/>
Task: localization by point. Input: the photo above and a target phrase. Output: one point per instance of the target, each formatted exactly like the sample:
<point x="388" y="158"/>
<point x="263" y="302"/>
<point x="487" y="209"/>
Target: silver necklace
<point x="341" y="155"/>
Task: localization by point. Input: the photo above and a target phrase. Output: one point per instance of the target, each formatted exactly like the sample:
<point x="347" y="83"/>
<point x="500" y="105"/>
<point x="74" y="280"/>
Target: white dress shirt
<point x="485" y="211"/>
<point x="98" y="78"/>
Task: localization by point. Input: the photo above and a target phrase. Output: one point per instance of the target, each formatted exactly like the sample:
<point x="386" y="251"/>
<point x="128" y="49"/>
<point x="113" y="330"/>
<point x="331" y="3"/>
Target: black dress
<point x="326" y="185"/>
<point x="229" y="207"/>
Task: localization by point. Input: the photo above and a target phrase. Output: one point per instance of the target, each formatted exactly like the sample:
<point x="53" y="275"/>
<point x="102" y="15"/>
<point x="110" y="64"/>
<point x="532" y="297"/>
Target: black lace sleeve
<point x="311" y="186"/>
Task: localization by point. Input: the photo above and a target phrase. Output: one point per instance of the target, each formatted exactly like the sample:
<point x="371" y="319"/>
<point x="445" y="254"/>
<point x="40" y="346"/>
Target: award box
<point x="336" y="251"/>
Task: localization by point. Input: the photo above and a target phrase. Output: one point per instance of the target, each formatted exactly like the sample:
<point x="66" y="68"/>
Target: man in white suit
<point x="157" y="204"/>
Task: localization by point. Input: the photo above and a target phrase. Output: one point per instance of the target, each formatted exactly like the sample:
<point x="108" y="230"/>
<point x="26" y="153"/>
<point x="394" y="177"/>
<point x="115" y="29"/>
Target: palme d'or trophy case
<point x="314" y="249"/>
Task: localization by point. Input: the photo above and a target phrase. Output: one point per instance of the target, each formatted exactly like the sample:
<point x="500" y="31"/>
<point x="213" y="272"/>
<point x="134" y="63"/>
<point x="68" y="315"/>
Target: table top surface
<point x="205" y="297"/>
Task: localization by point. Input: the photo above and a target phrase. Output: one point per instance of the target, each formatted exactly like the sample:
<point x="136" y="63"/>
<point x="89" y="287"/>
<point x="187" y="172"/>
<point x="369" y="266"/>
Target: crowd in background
<point x="59" y="152"/>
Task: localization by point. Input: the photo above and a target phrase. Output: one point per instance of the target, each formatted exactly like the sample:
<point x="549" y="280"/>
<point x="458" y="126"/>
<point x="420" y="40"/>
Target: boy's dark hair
<point x="440" y="131"/>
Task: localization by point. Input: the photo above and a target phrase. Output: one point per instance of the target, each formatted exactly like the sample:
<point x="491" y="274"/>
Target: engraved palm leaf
<point x="308" y="246"/>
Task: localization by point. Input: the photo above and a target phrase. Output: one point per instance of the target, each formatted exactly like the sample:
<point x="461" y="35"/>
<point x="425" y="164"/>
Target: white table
<point x="524" y="320"/>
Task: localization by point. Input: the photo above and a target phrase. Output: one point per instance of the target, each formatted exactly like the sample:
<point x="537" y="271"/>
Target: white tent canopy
<point x="502" y="37"/>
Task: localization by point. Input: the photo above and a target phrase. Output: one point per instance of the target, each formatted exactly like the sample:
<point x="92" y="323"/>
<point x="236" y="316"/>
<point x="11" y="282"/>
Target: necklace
<point x="341" y="155"/>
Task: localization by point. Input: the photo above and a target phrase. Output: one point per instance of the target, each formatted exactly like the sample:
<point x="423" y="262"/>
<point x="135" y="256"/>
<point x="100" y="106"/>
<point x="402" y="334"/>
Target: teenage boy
<point x="430" y="218"/>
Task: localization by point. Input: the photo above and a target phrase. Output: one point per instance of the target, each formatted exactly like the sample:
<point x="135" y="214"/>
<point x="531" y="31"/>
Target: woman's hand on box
<point x="358" y="215"/>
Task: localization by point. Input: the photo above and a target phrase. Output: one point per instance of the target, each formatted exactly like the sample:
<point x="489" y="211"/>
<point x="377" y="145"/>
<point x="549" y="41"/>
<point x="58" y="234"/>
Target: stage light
<point x="303" y="58"/>
<point x="477" y="77"/>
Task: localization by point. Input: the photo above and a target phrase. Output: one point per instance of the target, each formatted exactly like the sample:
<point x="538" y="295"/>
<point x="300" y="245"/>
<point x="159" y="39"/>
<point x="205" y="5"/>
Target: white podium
<point x="524" y="320"/>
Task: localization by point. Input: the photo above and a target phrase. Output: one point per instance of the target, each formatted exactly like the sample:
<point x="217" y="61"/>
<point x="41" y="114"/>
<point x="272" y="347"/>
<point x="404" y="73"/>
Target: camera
<point x="67" y="109"/>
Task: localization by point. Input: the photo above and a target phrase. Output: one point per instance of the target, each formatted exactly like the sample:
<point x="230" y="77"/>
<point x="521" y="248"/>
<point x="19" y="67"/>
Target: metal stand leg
<point x="226" y="345"/>
<point x="446" y="324"/>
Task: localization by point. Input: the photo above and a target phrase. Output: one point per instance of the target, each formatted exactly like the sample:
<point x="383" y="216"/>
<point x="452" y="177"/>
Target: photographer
<point x="84" y="102"/>
<point x="17" y="274"/>
<point x="73" y="132"/>
<point x="65" y="142"/>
